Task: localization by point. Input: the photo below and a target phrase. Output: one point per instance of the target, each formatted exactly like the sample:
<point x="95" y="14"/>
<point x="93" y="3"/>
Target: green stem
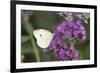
<point x="29" y="29"/>
<point x="35" y="50"/>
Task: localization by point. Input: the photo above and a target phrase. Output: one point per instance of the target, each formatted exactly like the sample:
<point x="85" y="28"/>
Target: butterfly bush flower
<point x="72" y="30"/>
<point x="61" y="54"/>
<point x="69" y="54"/>
<point x="57" y="41"/>
<point x="72" y="53"/>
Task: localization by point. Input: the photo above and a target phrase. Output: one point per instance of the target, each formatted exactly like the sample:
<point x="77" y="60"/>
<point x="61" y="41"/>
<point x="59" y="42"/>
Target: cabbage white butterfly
<point x="43" y="37"/>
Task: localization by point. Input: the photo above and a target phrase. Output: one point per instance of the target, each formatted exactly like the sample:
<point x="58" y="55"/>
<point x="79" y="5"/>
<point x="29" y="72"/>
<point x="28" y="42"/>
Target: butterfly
<point x="43" y="37"/>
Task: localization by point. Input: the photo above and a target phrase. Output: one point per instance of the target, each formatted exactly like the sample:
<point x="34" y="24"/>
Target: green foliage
<point x="28" y="28"/>
<point x="24" y="39"/>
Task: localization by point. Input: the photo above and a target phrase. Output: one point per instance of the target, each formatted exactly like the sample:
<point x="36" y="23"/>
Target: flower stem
<point x="29" y="29"/>
<point x="35" y="50"/>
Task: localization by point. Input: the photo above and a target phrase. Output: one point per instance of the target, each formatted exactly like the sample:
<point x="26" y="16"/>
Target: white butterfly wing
<point x="43" y="37"/>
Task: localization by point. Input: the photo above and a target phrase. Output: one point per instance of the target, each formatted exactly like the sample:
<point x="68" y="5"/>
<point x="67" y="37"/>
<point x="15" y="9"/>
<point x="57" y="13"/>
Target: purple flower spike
<point x="73" y="31"/>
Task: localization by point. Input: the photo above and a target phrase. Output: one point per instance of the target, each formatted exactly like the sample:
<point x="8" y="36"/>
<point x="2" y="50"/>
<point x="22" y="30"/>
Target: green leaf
<point x="28" y="27"/>
<point x="24" y="38"/>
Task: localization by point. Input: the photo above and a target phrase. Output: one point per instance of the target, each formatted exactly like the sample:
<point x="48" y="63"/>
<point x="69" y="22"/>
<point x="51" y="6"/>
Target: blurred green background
<point x="30" y="51"/>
